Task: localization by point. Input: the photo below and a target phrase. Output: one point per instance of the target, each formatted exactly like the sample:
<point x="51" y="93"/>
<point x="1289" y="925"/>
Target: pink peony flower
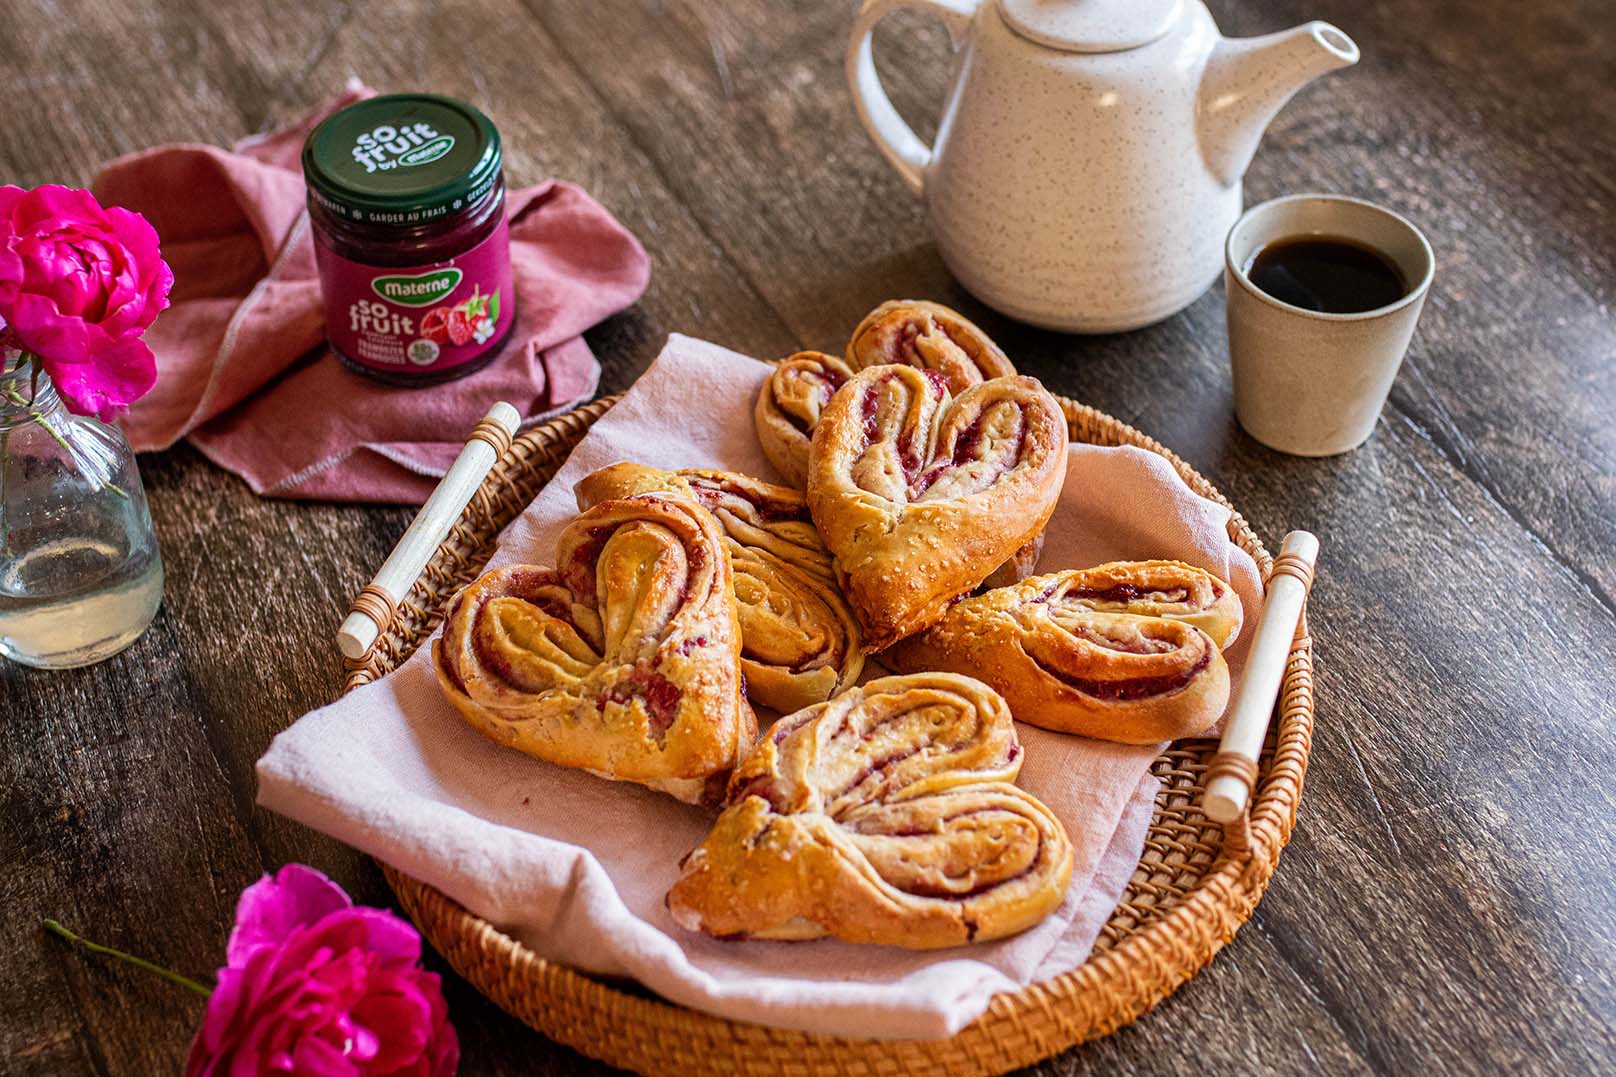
<point x="79" y="283"/>
<point x="315" y="986"/>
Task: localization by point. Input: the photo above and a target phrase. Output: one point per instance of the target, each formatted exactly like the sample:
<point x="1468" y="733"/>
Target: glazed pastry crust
<point x="624" y="660"/>
<point x="1127" y="651"/>
<point x="800" y="643"/>
<point x="886" y="815"/>
<point x="930" y="336"/>
<point x="788" y="408"/>
<point x="921" y="496"/>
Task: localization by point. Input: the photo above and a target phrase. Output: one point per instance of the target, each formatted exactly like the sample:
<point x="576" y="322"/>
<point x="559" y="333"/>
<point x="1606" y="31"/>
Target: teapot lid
<point x="1091" y="25"/>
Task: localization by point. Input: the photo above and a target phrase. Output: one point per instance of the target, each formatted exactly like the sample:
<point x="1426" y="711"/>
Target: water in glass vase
<point x="80" y="573"/>
<point x="40" y="626"/>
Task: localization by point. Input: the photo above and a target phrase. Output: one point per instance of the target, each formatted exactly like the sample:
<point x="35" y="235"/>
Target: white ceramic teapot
<point x="1088" y="161"/>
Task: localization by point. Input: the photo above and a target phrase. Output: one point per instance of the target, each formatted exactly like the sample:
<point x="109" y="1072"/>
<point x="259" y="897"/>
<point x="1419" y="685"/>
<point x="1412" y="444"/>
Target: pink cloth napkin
<point x="242" y="367"/>
<point x="577" y="867"/>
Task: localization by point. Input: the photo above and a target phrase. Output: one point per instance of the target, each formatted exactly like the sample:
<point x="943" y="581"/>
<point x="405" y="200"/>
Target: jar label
<point x="420" y="318"/>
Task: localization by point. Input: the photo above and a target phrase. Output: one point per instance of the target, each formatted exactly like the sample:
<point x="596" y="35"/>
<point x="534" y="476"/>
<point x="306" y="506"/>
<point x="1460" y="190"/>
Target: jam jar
<point x="407" y="203"/>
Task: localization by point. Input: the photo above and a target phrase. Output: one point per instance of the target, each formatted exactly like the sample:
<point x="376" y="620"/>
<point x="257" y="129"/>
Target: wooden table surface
<point x="1446" y="902"/>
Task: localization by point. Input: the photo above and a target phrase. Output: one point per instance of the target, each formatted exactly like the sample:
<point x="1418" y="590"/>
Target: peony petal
<point x="136" y="235"/>
<point x="365" y="1044"/>
<point x="12" y="270"/>
<point x="47" y="261"/>
<point x="399" y="1016"/>
<point x="124" y="301"/>
<point x="11" y="266"/>
<point x="392" y="940"/>
<point x="266" y="1028"/>
<point x="271" y="909"/>
<point x="159" y="288"/>
<point x="442" y="1055"/>
<point x="438" y="1053"/>
<point x="199" y="1061"/>
<point x="123" y="305"/>
<point x="151" y="276"/>
<point x="45" y="209"/>
<point x="70" y="270"/>
<point x="44" y="331"/>
<point x="229" y="1011"/>
<point x="119" y="373"/>
<point x="314" y="1057"/>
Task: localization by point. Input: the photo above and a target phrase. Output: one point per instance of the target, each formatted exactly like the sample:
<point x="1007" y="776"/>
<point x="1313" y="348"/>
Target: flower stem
<point x="140" y="963"/>
<point x="5" y="523"/>
<point x="35" y="417"/>
<point x="38" y="418"/>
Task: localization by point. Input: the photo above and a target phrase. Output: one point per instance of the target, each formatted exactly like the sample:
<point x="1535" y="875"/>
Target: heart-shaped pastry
<point x="1128" y="651"/>
<point x="920" y="496"/>
<point x="884" y="816"/>
<point x="927" y="336"/>
<point x="800" y="643"/>
<point x="624" y="660"/>
<point x="930" y="336"/>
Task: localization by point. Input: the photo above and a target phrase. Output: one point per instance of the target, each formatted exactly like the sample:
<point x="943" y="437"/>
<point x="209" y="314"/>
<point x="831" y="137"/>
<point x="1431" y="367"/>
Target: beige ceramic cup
<point x="1307" y="382"/>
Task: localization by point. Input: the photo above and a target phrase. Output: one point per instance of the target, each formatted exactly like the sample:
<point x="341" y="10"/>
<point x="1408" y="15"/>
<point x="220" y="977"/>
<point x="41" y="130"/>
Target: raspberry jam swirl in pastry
<point x="624" y="660"/>
<point x="912" y="332"/>
<point x="921" y="496"/>
<point x="800" y="643"/>
<point x="1169" y="589"/>
<point x="929" y="336"/>
<point x="789" y="406"/>
<point x="886" y="815"/>
<point x="1128" y="651"/>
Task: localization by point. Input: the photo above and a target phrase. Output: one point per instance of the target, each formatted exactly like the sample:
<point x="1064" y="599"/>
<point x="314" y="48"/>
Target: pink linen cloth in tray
<point x="576" y="867"/>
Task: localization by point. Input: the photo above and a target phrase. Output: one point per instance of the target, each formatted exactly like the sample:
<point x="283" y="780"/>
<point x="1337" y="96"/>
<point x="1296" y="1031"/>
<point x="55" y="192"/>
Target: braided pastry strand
<point x="624" y="660"/>
<point x="800" y="643"/>
<point x="1128" y="651"/>
<point x="886" y="815"/>
<point x="921" y="496"/>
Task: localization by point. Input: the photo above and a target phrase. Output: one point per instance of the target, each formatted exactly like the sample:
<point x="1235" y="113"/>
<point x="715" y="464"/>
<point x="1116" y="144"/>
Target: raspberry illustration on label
<point x="435" y="325"/>
<point x="459" y="327"/>
<point x="471" y="320"/>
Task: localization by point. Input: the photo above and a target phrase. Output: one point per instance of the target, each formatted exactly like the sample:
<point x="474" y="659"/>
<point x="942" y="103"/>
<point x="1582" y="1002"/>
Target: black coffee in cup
<point x="1327" y="274"/>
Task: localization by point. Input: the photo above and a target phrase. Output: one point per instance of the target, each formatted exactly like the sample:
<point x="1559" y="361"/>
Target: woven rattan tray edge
<point x="626" y="1028"/>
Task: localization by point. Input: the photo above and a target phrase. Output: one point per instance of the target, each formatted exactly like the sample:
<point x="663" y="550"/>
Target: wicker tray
<point x="1194" y="887"/>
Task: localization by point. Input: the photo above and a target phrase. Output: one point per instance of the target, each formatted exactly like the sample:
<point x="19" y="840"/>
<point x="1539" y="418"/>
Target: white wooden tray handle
<point x="1233" y="771"/>
<point x="374" y="607"/>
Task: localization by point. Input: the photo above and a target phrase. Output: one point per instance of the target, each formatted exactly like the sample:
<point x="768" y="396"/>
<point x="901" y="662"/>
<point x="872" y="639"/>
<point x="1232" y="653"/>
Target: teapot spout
<point x="1249" y="79"/>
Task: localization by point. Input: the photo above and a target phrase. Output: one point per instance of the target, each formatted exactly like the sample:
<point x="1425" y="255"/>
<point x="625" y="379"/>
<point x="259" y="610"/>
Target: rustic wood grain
<point x="1444" y="905"/>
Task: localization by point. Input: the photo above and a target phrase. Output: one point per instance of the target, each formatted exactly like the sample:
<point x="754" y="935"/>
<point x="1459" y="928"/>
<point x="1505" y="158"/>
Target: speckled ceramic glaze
<point x="1307" y="382"/>
<point x="1088" y="162"/>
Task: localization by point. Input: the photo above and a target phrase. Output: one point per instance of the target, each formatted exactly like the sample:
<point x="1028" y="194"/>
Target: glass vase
<point x="80" y="575"/>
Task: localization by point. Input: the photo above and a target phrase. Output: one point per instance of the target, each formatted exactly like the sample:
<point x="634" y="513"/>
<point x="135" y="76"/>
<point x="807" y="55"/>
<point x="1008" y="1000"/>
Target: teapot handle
<point x="895" y="138"/>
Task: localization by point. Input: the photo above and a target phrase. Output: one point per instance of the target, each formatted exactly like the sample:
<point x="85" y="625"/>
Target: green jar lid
<point x="402" y="159"/>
